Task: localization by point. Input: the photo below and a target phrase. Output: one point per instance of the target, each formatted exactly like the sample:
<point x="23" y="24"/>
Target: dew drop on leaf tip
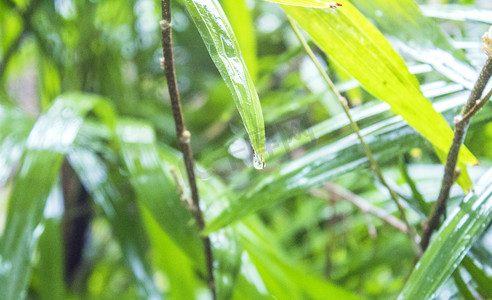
<point x="258" y="161"/>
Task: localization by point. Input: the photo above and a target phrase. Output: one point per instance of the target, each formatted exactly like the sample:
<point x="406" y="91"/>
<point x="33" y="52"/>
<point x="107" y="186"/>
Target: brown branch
<point x="462" y="122"/>
<point x="364" y="205"/>
<point x="184" y="135"/>
<point x="367" y="150"/>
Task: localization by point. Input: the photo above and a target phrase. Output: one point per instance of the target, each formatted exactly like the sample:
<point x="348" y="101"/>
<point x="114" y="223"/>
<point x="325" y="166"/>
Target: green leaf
<point x="241" y="18"/>
<point x="479" y="275"/>
<point x="155" y="188"/>
<point x="105" y="187"/>
<point x="14" y="129"/>
<point x="51" y="268"/>
<point x="48" y="142"/>
<point x="169" y="258"/>
<point x="388" y="139"/>
<point x="348" y="38"/>
<point x="223" y="47"/>
<point x="281" y="276"/>
<point x="450" y="245"/>
<point x="419" y="36"/>
<point x="308" y="3"/>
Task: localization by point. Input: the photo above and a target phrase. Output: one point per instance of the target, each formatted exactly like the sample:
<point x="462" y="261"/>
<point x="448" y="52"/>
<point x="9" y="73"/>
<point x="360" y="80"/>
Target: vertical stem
<point x="184" y="135"/>
<point x="461" y="127"/>
<point x="374" y="164"/>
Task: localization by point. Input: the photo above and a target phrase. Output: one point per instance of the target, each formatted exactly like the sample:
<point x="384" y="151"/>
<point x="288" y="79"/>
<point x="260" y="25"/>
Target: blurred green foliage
<point x="93" y="190"/>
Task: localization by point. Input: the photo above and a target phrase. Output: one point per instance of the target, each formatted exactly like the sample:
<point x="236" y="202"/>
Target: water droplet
<point x="258" y="161"/>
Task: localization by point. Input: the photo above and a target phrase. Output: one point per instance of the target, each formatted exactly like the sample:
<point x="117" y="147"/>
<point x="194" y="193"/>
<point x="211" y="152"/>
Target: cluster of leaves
<point x="92" y="189"/>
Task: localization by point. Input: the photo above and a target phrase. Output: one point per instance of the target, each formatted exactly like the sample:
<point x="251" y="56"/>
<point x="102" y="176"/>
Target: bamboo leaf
<point x="51" y="268"/>
<point x="342" y="33"/>
<point x="157" y="188"/>
<point x="387" y="138"/>
<point x="223" y="47"/>
<point x="47" y="144"/>
<point x="419" y="36"/>
<point x="14" y="129"/>
<point x="241" y="18"/>
<point x="105" y="187"/>
<point x="460" y="230"/>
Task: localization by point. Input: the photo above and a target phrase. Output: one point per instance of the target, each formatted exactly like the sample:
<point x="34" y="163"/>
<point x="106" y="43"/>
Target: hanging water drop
<point x="258" y="161"/>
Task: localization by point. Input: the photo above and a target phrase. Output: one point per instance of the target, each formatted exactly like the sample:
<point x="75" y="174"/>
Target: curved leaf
<point x="419" y="36"/>
<point x="105" y="187"/>
<point x="460" y="230"/>
<point x="353" y="42"/>
<point x="157" y="188"/>
<point x="223" y="47"/>
<point x="47" y="144"/>
<point x="388" y="139"/>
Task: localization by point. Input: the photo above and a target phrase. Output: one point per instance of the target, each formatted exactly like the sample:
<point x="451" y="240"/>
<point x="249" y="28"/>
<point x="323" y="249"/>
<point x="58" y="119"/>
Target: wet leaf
<point x="105" y="187"/>
<point x="223" y="47"/>
<point x="47" y="144"/>
<point x="155" y="188"/>
<point x="342" y="33"/>
<point x="155" y="175"/>
<point x="420" y="37"/>
<point x="308" y="3"/>
<point x="451" y="243"/>
<point x="50" y="269"/>
<point x="387" y="138"/>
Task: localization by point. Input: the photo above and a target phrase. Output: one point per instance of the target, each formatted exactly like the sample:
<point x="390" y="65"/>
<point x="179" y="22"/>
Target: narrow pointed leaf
<point x="223" y="47"/>
<point x="51" y="267"/>
<point x="14" y="129"/>
<point x="47" y="145"/>
<point x="388" y="139"/>
<point x="347" y="37"/>
<point x="155" y="188"/>
<point x="450" y="245"/>
<point x="105" y="187"/>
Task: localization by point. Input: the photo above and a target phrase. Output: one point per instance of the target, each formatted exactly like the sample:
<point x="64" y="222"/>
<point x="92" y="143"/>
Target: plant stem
<point x="462" y="122"/>
<point x="373" y="163"/>
<point x="184" y="135"/>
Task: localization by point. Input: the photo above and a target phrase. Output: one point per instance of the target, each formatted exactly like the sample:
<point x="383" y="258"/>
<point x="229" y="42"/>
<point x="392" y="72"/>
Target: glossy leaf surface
<point x="223" y="47"/>
<point x="451" y="243"/>
<point x="48" y="142"/>
<point x="308" y="3"/>
<point x="105" y="187"/>
<point x="387" y="139"/>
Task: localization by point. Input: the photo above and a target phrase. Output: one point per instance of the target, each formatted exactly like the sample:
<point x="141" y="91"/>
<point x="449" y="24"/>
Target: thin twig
<point x="184" y="135"/>
<point x="373" y="163"/>
<point x="462" y="122"/>
<point x="364" y="205"/>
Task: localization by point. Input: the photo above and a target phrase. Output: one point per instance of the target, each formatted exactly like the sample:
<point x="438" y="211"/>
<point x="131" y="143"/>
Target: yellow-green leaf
<point x="348" y="38"/>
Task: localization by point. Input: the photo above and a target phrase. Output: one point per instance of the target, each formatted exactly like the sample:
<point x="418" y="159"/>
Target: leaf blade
<point x="378" y="68"/>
